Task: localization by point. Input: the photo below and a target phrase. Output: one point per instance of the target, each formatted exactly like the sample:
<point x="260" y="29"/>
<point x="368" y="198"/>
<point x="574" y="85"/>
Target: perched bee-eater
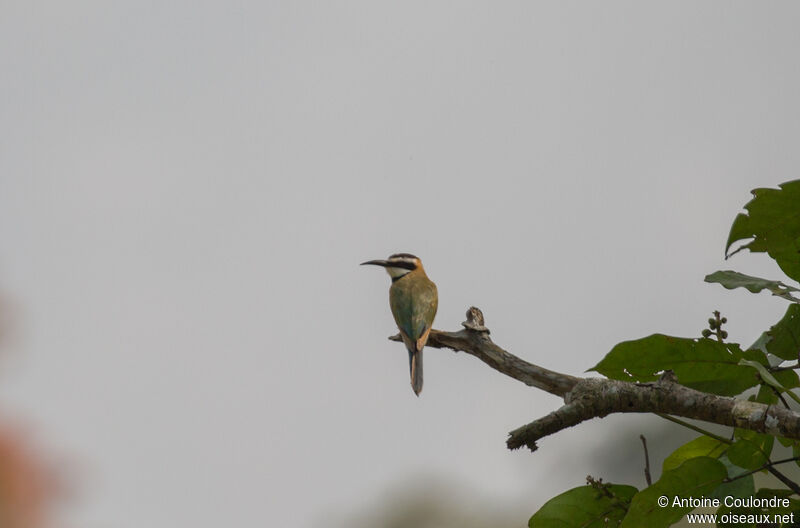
<point x="413" y="300"/>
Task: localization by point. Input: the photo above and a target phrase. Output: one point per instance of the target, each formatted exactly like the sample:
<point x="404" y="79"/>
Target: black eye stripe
<point x="402" y="264"/>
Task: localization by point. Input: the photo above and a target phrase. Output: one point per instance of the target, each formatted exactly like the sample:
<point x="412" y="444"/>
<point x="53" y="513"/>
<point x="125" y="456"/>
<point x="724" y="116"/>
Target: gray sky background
<point x="187" y="188"/>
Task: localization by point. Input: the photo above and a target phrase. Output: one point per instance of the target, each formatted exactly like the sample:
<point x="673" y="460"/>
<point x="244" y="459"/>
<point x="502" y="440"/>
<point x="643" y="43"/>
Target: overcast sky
<point x="187" y="189"/>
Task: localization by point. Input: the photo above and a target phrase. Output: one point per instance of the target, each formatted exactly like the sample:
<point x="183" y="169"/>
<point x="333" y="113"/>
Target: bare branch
<point x="596" y="398"/>
<point x="789" y="483"/>
<point x="770" y="466"/>
<point x="474" y="340"/>
<point x="646" y="461"/>
<point x="587" y="398"/>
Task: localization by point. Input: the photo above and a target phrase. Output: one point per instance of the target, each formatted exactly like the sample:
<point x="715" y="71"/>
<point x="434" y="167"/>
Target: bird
<point x="413" y="299"/>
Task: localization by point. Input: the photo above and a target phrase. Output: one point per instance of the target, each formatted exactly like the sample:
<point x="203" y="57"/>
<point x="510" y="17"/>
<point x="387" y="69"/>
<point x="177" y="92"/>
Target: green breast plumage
<point x="413" y="299"/>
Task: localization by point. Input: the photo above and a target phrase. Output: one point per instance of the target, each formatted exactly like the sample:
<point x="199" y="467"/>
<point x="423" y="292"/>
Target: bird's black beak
<point x="383" y="263"/>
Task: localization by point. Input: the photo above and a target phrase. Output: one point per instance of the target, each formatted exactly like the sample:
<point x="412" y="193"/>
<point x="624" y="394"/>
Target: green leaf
<point x="733" y="279"/>
<point x="741" y="487"/>
<point x="768" y="493"/>
<point x="744" y="517"/>
<point x="586" y="507"/>
<point x="761" y="342"/>
<point x="702" y="364"/>
<point x="743" y="512"/>
<point x="773" y="223"/>
<point x="794" y="444"/>
<point x="784" y="337"/>
<point x="765" y="394"/>
<point x="751" y="450"/>
<point x="700" y="446"/>
<point x="787" y="378"/>
<point x="769" y="379"/>
<point x="696" y="477"/>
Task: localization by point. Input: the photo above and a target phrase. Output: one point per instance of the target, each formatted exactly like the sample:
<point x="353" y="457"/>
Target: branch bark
<point x="587" y="398"/>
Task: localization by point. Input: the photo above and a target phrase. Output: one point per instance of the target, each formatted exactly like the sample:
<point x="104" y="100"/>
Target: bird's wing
<point x="414" y="307"/>
<point x="425" y="311"/>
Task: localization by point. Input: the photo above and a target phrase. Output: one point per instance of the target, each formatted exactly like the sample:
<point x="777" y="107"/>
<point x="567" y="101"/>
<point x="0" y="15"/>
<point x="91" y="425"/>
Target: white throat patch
<point x="396" y="273"/>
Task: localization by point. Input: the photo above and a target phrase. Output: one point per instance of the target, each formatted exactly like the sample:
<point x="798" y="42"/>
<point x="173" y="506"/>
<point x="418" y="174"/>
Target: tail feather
<point x="415" y="365"/>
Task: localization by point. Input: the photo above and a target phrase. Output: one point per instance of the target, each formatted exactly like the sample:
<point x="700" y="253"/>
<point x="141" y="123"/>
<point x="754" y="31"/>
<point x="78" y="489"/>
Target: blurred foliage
<point x="429" y="502"/>
<point x="29" y="487"/>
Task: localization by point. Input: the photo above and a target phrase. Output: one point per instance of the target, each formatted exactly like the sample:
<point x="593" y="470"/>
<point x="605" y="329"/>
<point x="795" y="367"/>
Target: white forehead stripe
<point x="408" y="260"/>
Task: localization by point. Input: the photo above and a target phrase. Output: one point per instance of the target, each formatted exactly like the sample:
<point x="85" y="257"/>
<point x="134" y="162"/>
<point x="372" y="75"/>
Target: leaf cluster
<point x="710" y="465"/>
